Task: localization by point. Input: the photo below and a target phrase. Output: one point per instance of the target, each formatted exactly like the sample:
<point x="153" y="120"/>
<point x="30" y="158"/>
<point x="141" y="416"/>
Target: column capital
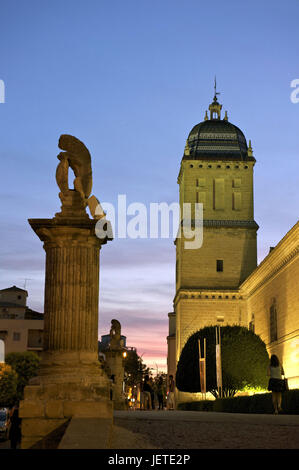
<point x="67" y="232"/>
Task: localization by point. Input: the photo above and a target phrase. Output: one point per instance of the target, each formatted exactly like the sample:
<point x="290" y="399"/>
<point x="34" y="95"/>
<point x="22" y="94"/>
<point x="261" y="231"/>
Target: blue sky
<point x="130" y="79"/>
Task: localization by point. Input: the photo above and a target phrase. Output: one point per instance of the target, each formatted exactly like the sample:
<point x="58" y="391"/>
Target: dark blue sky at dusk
<point x="130" y="79"/>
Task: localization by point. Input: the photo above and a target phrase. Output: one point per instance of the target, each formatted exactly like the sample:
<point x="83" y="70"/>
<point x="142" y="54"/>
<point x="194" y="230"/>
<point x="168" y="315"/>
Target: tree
<point x="8" y="386"/>
<point x="244" y="361"/>
<point x="134" y="368"/>
<point x="26" y="365"/>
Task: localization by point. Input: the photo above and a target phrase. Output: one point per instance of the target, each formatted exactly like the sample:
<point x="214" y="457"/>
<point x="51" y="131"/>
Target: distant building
<point x="105" y="341"/>
<point x="20" y="327"/>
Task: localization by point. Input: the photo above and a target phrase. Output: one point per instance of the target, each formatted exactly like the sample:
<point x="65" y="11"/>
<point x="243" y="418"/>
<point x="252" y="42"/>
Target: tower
<point x="217" y="171"/>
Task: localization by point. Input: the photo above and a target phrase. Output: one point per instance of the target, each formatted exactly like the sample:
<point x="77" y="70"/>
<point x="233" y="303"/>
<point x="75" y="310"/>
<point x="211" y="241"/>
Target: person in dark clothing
<point x="15" y="429"/>
<point x="151" y="383"/>
<point x="160" y="393"/>
<point x="147" y="393"/>
<point x="276" y="383"/>
<point x="112" y="385"/>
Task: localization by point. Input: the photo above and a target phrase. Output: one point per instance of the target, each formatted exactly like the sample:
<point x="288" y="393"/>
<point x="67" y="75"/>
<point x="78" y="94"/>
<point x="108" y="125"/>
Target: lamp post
<point x="2" y="351"/>
<point x="218" y="361"/>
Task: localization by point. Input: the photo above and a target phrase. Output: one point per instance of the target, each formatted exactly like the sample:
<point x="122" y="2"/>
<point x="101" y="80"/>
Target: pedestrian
<point x="152" y="392"/>
<point x="142" y="400"/>
<point x="112" y="386"/>
<point x="147" y="393"/>
<point x="15" y="429"/>
<point x="170" y="396"/>
<point x="276" y="384"/>
<point x="160" y="393"/>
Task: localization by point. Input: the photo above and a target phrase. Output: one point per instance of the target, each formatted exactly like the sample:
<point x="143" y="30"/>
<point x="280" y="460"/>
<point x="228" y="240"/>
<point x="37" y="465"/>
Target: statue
<point x="74" y="201"/>
<point x="115" y="337"/>
<point x="78" y="158"/>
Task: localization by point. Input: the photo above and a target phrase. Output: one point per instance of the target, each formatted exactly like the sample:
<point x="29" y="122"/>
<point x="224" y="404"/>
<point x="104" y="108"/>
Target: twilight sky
<point x="130" y="79"/>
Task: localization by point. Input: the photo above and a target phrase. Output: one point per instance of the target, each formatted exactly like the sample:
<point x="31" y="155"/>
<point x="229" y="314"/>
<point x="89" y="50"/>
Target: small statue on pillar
<point x="115" y="336"/>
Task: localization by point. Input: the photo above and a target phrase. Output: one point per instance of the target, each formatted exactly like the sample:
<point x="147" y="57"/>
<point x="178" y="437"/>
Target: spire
<point x="215" y="90"/>
<point x="187" y="149"/>
<point x="249" y="152"/>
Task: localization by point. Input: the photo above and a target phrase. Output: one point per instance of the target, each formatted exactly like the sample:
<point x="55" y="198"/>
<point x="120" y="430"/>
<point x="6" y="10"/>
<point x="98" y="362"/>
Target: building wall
<point x="197" y="309"/>
<point x="171" y="356"/>
<point x="224" y="187"/>
<point x="8" y="311"/>
<point x="273" y="287"/>
<point x="14" y="295"/>
<point x="16" y="332"/>
<point x="235" y="246"/>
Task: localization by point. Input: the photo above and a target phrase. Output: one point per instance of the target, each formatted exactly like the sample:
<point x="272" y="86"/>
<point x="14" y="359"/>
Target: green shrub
<point x="8" y="386"/>
<point x="260" y="403"/>
<point x="244" y="361"/>
<point x="26" y="365"/>
<point x="202" y="405"/>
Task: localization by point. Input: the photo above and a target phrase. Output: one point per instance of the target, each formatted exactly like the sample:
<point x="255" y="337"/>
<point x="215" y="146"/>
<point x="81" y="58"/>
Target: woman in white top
<point x="276" y="383"/>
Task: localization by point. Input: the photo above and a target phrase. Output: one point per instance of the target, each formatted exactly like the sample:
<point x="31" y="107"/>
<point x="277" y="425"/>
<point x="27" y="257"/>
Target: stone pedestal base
<point x="62" y="391"/>
<point x="114" y="360"/>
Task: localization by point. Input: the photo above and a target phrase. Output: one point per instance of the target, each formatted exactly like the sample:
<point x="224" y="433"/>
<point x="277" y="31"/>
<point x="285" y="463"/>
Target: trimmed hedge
<point x="259" y="403"/>
<point x="244" y="360"/>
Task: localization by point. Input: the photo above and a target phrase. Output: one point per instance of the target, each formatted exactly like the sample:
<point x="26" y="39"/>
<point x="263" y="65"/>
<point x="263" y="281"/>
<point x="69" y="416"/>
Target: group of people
<point x="150" y="389"/>
<point x="277" y="384"/>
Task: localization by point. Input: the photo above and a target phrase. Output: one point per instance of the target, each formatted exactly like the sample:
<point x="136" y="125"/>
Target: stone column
<point x="71" y="287"/>
<point x="71" y="380"/>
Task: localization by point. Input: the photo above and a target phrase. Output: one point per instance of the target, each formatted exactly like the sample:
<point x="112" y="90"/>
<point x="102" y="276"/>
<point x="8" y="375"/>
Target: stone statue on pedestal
<point x="71" y="381"/>
<point x="115" y="336"/>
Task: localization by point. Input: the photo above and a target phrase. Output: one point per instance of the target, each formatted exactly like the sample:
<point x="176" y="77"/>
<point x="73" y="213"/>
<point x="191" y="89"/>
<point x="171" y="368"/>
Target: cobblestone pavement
<point x="209" y="430"/>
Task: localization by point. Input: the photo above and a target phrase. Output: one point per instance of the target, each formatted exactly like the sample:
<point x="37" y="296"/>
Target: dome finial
<point x="215" y="107"/>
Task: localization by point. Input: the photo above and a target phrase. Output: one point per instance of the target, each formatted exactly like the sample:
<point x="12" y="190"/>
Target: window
<point x="251" y="324"/>
<point x="219" y="265"/>
<point x="35" y="339"/>
<point x="16" y="336"/>
<point x="3" y="334"/>
<point x="273" y="323"/>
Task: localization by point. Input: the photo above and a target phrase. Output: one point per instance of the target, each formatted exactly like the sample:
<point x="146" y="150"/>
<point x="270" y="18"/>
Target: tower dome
<point x="217" y="138"/>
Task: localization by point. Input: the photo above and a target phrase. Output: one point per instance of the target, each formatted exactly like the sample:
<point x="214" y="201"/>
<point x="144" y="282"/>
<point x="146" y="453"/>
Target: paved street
<point x="193" y="430"/>
<point x="209" y="430"/>
<point x="4" y="444"/>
